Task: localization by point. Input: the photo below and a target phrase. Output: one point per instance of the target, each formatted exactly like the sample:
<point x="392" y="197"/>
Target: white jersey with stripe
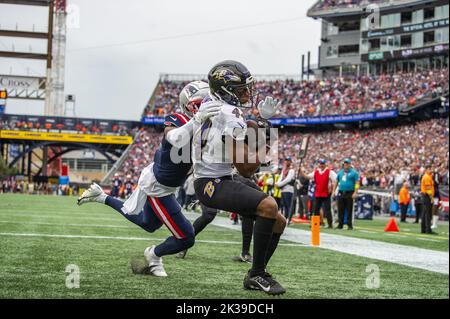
<point x="210" y="158"/>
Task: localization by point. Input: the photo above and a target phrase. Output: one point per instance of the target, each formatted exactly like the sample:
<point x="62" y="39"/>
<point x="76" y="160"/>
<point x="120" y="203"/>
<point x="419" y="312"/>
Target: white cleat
<point x="93" y="194"/>
<point x="155" y="264"/>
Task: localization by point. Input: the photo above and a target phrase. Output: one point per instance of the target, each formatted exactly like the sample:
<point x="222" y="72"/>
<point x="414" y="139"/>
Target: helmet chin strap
<point x="234" y="95"/>
<point x="217" y="96"/>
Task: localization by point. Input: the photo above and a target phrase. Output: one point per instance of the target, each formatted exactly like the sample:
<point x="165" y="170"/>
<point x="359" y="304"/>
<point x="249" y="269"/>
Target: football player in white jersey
<point x="218" y="146"/>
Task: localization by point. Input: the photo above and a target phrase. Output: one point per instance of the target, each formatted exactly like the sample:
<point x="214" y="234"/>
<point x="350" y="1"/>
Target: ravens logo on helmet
<point x="231" y="82"/>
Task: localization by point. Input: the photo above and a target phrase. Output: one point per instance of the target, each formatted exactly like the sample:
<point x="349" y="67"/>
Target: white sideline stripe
<point x="70" y="225"/>
<point x="427" y="259"/>
<point x="118" y="219"/>
<point x="126" y="238"/>
<point x="107" y="237"/>
<point x="52" y="212"/>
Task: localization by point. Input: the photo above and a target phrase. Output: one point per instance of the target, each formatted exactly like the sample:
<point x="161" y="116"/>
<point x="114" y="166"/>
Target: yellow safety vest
<point x="265" y="187"/>
<point x="276" y="190"/>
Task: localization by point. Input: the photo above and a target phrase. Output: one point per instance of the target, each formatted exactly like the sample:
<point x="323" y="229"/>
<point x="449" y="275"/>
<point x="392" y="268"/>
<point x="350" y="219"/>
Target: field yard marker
<point x="315" y="231"/>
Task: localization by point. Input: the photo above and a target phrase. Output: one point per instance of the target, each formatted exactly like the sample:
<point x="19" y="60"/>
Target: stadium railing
<point x="119" y="162"/>
<point x="320" y="9"/>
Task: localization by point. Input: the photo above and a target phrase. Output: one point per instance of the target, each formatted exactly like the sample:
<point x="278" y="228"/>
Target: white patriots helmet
<point x="191" y="97"/>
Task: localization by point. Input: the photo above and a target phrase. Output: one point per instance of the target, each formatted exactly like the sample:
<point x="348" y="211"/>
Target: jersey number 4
<point x="238" y="113"/>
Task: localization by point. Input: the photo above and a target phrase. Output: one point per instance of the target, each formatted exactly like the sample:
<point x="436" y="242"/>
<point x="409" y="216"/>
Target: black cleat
<point x="264" y="282"/>
<point x="182" y="254"/>
<point x="247" y="258"/>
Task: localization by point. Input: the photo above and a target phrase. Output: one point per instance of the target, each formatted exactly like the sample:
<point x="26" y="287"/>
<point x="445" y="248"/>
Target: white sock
<point x="101" y="198"/>
<point x="435" y="220"/>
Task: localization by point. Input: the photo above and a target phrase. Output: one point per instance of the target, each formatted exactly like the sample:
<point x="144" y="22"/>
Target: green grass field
<point x="40" y="236"/>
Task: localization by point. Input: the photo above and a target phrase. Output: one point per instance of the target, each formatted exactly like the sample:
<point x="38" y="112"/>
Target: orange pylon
<point x="392" y="226"/>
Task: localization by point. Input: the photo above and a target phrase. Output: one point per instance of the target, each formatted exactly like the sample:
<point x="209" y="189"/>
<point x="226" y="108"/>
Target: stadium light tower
<point x="55" y="99"/>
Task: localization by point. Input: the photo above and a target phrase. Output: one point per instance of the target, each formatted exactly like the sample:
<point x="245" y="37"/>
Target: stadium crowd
<point x="330" y="96"/>
<point x="378" y="154"/>
<point x="23" y="125"/>
<point x="141" y="154"/>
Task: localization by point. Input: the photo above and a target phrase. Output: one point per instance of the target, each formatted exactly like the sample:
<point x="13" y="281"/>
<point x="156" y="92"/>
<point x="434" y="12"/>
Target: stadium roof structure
<point x="345" y="8"/>
<point x="178" y="77"/>
<point x="43" y="3"/>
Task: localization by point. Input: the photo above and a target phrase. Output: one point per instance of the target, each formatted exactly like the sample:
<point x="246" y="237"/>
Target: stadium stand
<point x="141" y="153"/>
<point x="378" y="153"/>
<point x="333" y="96"/>
<point x="66" y="125"/>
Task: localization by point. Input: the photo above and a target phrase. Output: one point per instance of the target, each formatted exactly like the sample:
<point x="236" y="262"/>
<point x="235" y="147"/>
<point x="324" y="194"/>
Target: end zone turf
<point x="102" y="243"/>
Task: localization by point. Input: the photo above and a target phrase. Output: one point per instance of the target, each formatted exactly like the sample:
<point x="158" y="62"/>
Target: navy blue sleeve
<point x="175" y="119"/>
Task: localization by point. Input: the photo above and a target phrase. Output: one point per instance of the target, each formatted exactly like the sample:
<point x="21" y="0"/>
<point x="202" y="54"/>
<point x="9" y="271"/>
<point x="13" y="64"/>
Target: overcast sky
<point x="117" y="49"/>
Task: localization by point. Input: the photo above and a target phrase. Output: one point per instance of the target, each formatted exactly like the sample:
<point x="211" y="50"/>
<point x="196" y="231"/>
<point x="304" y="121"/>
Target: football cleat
<point x="93" y="194"/>
<point x="247" y="258"/>
<point x="182" y="254"/>
<point x="264" y="282"/>
<point x="155" y="264"/>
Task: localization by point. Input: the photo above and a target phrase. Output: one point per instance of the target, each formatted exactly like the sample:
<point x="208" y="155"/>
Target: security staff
<point x="267" y="183"/>
<point x="348" y="184"/>
<point x="322" y="177"/>
<point x="436" y="199"/>
<point x="427" y="191"/>
<point x="286" y="184"/>
<point x="418" y="204"/>
<point x="404" y="199"/>
<point x="276" y="192"/>
<point x="302" y="196"/>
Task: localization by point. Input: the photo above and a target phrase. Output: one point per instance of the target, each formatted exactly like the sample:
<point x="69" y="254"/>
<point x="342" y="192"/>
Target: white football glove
<point x="268" y="107"/>
<point x="207" y="110"/>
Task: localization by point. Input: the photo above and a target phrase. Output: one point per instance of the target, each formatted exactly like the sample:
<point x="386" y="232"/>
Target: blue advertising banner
<point x="2" y="109"/>
<point x="328" y="119"/>
<point x="153" y="120"/>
